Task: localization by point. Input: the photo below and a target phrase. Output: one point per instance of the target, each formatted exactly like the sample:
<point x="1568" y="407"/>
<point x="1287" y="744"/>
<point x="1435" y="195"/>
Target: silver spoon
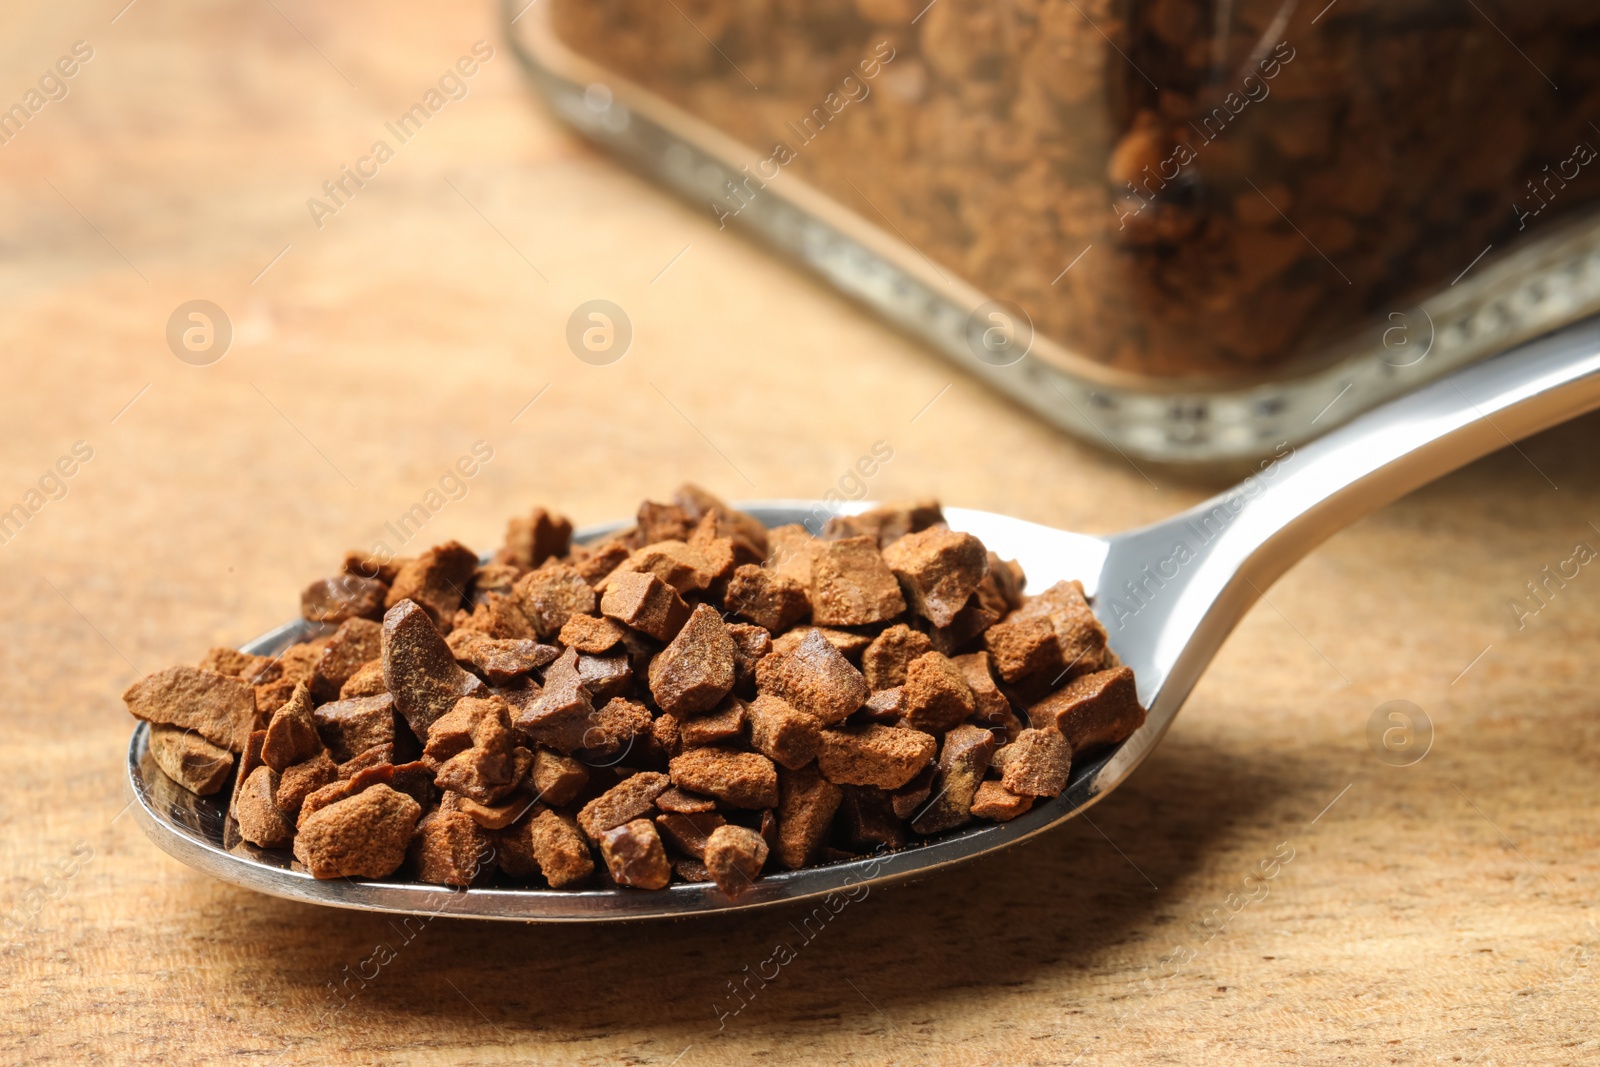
<point x="1168" y="595"/>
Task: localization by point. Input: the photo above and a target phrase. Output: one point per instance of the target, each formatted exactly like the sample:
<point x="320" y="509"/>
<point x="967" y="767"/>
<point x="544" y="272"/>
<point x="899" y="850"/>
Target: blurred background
<point x="1436" y="910"/>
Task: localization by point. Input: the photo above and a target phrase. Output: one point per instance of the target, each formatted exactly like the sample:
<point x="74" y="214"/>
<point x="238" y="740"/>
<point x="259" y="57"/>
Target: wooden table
<point x="1440" y="912"/>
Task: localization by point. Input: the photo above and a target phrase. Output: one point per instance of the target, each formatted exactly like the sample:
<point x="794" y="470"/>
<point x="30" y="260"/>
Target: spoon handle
<point x="1171" y="593"/>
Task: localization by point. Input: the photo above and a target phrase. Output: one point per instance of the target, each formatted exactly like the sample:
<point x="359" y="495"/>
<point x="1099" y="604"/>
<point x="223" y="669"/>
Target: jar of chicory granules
<point x="1191" y="229"/>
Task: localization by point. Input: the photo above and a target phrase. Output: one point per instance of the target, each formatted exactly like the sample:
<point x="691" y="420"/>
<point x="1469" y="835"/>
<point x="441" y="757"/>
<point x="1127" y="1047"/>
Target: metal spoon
<point x="1168" y="595"/>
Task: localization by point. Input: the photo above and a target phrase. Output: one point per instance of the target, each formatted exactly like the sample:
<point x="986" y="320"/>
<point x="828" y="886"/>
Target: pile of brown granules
<point x="697" y="696"/>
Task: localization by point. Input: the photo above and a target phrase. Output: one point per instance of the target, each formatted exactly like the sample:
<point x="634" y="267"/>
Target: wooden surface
<point x="1441" y="912"/>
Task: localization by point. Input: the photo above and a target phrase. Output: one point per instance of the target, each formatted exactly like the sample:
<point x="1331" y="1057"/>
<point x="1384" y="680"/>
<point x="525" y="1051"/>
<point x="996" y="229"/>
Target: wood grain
<point x="1442" y="912"/>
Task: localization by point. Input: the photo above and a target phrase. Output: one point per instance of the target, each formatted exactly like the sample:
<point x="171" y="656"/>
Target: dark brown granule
<point x="635" y="857"/>
<point x="383" y="569"/>
<point x="350" y="727"/>
<point x="910" y="798"/>
<point x="742" y="779"/>
<point x="302" y="779"/>
<point x="470" y="749"/>
<point x="437" y="580"/>
<point x="596" y="562"/>
<point x="867" y="819"/>
<point x="362" y="836"/>
<point x="695" y="671"/>
<point x="530" y="541"/>
<point x="255" y="807"/>
<point x="814" y="678"/>
<point x="1080" y="638"/>
<point x="376" y="756"/>
<point x="606" y="676"/>
<point x="1037" y="764"/>
<point x="665" y="736"/>
<point x="496" y="615"/>
<point x="725" y="723"/>
<point x="685" y="803"/>
<point x="236" y="664"/>
<point x="938" y="570"/>
<point x="448" y="848"/>
<point x="992" y="708"/>
<point x="219" y="708"/>
<point x="806" y="805"/>
<point x="750" y="644"/>
<point x="887" y="523"/>
<point x="557" y="779"/>
<point x="885" y="660"/>
<point x="937" y="697"/>
<point x="734" y="856"/>
<point x="499" y="660"/>
<point x="969" y="624"/>
<point x="590" y="633"/>
<point x="560" y="715"/>
<point x="1023" y="647"/>
<point x="495" y="816"/>
<point x="688" y="833"/>
<point x="663" y="522"/>
<point x="549" y="844"/>
<point x="994" y="801"/>
<point x="767" y="598"/>
<point x="788" y="737"/>
<point x="645" y="603"/>
<point x="189" y="759"/>
<point x="789" y="552"/>
<point x="341" y="597"/>
<point x="249" y="760"/>
<point x="615" y="730"/>
<point x="493" y="579"/>
<point x="366" y="682"/>
<point x="420" y="670"/>
<point x="356" y="643"/>
<point x="851" y="585"/>
<point x="679" y="565"/>
<point x="721" y="551"/>
<point x="551" y="595"/>
<point x="629" y="799"/>
<point x="850" y="645"/>
<point x="415" y="780"/>
<point x="884" y="756"/>
<point x="1092" y="710"/>
<point x="321" y="797"/>
<point x="743" y="528"/>
<point x="887" y="706"/>
<point x="513" y="851"/>
<point x="690" y="870"/>
<point x="292" y="732"/>
<point x="964" y="756"/>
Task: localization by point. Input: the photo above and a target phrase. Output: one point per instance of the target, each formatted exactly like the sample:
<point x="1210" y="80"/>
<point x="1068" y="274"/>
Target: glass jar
<point x="1192" y="231"/>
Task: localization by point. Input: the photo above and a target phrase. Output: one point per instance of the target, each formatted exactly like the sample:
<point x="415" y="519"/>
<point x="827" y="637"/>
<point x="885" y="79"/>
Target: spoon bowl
<point x="1168" y="595"/>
